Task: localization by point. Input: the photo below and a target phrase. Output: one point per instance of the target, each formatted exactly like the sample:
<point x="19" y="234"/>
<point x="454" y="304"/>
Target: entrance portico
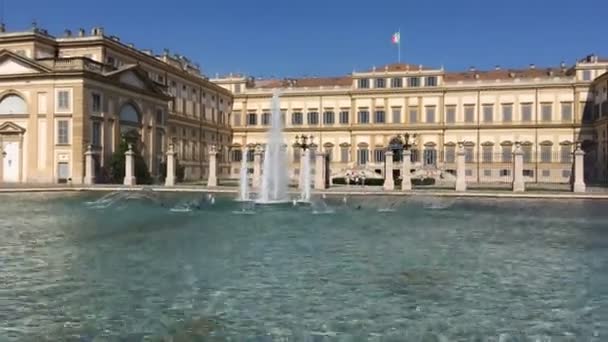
<point x="11" y="144"/>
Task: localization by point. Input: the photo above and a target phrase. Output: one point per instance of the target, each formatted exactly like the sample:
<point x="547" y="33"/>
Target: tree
<point x="117" y="164"/>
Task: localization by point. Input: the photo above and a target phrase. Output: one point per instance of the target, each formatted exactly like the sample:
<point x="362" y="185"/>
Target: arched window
<point x="129" y="119"/>
<point x="12" y="104"/>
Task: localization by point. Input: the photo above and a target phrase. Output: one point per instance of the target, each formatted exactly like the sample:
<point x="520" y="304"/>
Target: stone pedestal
<point x="578" y="184"/>
<point x="303" y="156"/>
<point x="89" y="167"/>
<point x="212" y="180"/>
<point x="518" y="169"/>
<point x="130" y="167"/>
<point x="170" y="176"/>
<point x="406" y="176"/>
<point x="319" y="171"/>
<point x="461" y="172"/>
<point x="389" y="182"/>
<point x="257" y="168"/>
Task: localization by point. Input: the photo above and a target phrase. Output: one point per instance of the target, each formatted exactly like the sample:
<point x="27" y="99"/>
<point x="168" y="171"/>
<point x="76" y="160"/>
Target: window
<point x="296" y="154"/>
<point x="380" y="83"/>
<point x="96" y="99"/>
<point x="413" y="82"/>
<point x="363" y="116"/>
<point x="431" y="81"/>
<point x="430" y="114"/>
<point x="396" y="116"/>
<point x="565" y="173"/>
<point x="505" y="173"/>
<point x="160" y="117"/>
<point x="528" y="173"/>
<point x="313" y="118"/>
<point x="362" y="156"/>
<point x="344" y="116"/>
<point x="468" y="173"/>
<point x="450" y="114"/>
<point x="266" y="118"/>
<point x="328" y="118"/>
<point x="237" y="88"/>
<point x="487" y="173"/>
<point x="527" y="149"/>
<point x="236" y="117"/>
<point x="586" y="75"/>
<point x="469" y="154"/>
<point x="486" y="154"/>
<point x="250" y="155"/>
<point x="507" y="112"/>
<point x="252" y="119"/>
<point x="566" y="111"/>
<point x="379" y="117"/>
<point x="363" y="83"/>
<point x="545" y="154"/>
<point x="379" y="155"/>
<point x="546" y="173"/>
<point x="63" y="100"/>
<point x="236" y="155"/>
<point x="296" y="118"/>
<point x="63" y="132"/>
<point x="344" y="152"/>
<point x="566" y="154"/>
<point x="526" y="112"/>
<point x="450" y="154"/>
<point x="507" y="154"/>
<point x="413" y="115"/>
<point x="430" y="156"/>
<point x="488" y="113"/>
<point x="397" y="82"/>
<point x="96" y="134"/>
<point x="545" y="110"/>
<point x="469" y="114"/>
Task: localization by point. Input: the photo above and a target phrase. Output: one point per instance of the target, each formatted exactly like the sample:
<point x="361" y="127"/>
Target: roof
<point x="505" y="74"/>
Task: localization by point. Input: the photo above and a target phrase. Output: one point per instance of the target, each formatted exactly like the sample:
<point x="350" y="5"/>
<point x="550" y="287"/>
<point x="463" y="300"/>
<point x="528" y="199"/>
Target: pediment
<point x="11" y="128"/>
<point x="132" y="79"/>
<point x="14" y="64"/>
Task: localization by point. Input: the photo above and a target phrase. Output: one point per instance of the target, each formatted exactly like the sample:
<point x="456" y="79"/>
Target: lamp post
<point x="302" y="142"/>
<point x="406" y="177"/>
<point x="304" y="145"/>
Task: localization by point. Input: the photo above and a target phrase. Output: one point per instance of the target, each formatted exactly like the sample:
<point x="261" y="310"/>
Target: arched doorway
<point x="130" y="121"/>
<point x="11" y="138"/>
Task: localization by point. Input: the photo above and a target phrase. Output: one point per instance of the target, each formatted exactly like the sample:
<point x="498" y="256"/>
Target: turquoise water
<point x="424" y="269"/>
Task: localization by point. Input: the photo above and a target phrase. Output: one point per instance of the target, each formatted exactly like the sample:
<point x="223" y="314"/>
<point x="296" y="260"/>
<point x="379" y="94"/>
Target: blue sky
<point x="333" y="37"/>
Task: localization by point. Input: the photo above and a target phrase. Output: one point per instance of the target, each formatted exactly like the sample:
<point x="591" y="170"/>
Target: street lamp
<point x="304" y="145"/>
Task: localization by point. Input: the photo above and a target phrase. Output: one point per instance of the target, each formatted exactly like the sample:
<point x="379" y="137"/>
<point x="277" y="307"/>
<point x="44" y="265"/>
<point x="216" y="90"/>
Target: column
<point x="89" y="167"/>
<point x="518" y="169"/>
<point x="579" y="170"/>
<point x="389" y="183"/>
<point x="320" y="170"/>
<point x="303" y="156"/>
<point x="406" y="176"/>
<point x="212" y="180"/>
<point x="461" y="179"/>
<point x="130" y="167"/>
<point x="170" y="174"/>
<point x="257" y="167"/>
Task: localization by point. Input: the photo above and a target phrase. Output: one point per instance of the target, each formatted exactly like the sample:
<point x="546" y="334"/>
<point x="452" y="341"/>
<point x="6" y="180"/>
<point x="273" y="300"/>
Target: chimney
<point x="115" y="38"/>
<point x="166" y="52"/>
<point x="147" y="52"/>
<point x="550" y="72"/>
<point x="497" y="67"/>
<point x="472" y="69"/>
<point x="476" y="76"/>
<point x="81" y="32"/>
<point x="562" y="65"/>
<point x="511" y="74"/>
<point x="2" y="28"/>
<point x="67" y="33"/>
<point x="532" y="66"/>
<point x="131" y="45"/>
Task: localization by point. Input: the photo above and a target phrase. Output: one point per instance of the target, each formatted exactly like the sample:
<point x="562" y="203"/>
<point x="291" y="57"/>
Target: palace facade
<point x="356" y="118"/>
<point x="60" y="95"/>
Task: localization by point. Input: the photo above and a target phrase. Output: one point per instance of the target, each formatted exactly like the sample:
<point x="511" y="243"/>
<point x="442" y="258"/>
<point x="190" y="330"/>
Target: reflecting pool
<point x="149" y="267"/>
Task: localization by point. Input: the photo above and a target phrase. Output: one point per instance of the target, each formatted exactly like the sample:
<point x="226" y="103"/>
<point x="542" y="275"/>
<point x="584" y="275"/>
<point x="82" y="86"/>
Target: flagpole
<point x="399" y="47"/>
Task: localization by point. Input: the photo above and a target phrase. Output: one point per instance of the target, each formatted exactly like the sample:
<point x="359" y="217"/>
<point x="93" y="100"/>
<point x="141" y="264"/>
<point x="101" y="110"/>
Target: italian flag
<point x="396" y="37"/>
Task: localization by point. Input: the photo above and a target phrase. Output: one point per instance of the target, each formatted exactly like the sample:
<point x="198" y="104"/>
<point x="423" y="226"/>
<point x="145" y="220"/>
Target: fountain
<point x="244" y="182"/>
<point x="274" y="171"/>
<point x="306" y="177"/>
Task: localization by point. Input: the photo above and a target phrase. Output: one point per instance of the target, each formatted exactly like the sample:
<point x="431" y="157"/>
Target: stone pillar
<point x="170" y="176"/>
<point x="389" y="183"/>
<point x="257" y="167"/>
<point x="212" y="180"/>
<point x="89" y="166"/>
<point x="130" y="167"/>
<point x="579" y="170"/>
<point x="518" y="169"/>
<point x="319" y="170"/>
<point x="406" y="176"/>
<point x="461" y="173"/>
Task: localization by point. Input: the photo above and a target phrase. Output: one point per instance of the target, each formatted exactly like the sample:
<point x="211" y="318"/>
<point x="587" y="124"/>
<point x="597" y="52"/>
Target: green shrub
<point x="117" y="165"/>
